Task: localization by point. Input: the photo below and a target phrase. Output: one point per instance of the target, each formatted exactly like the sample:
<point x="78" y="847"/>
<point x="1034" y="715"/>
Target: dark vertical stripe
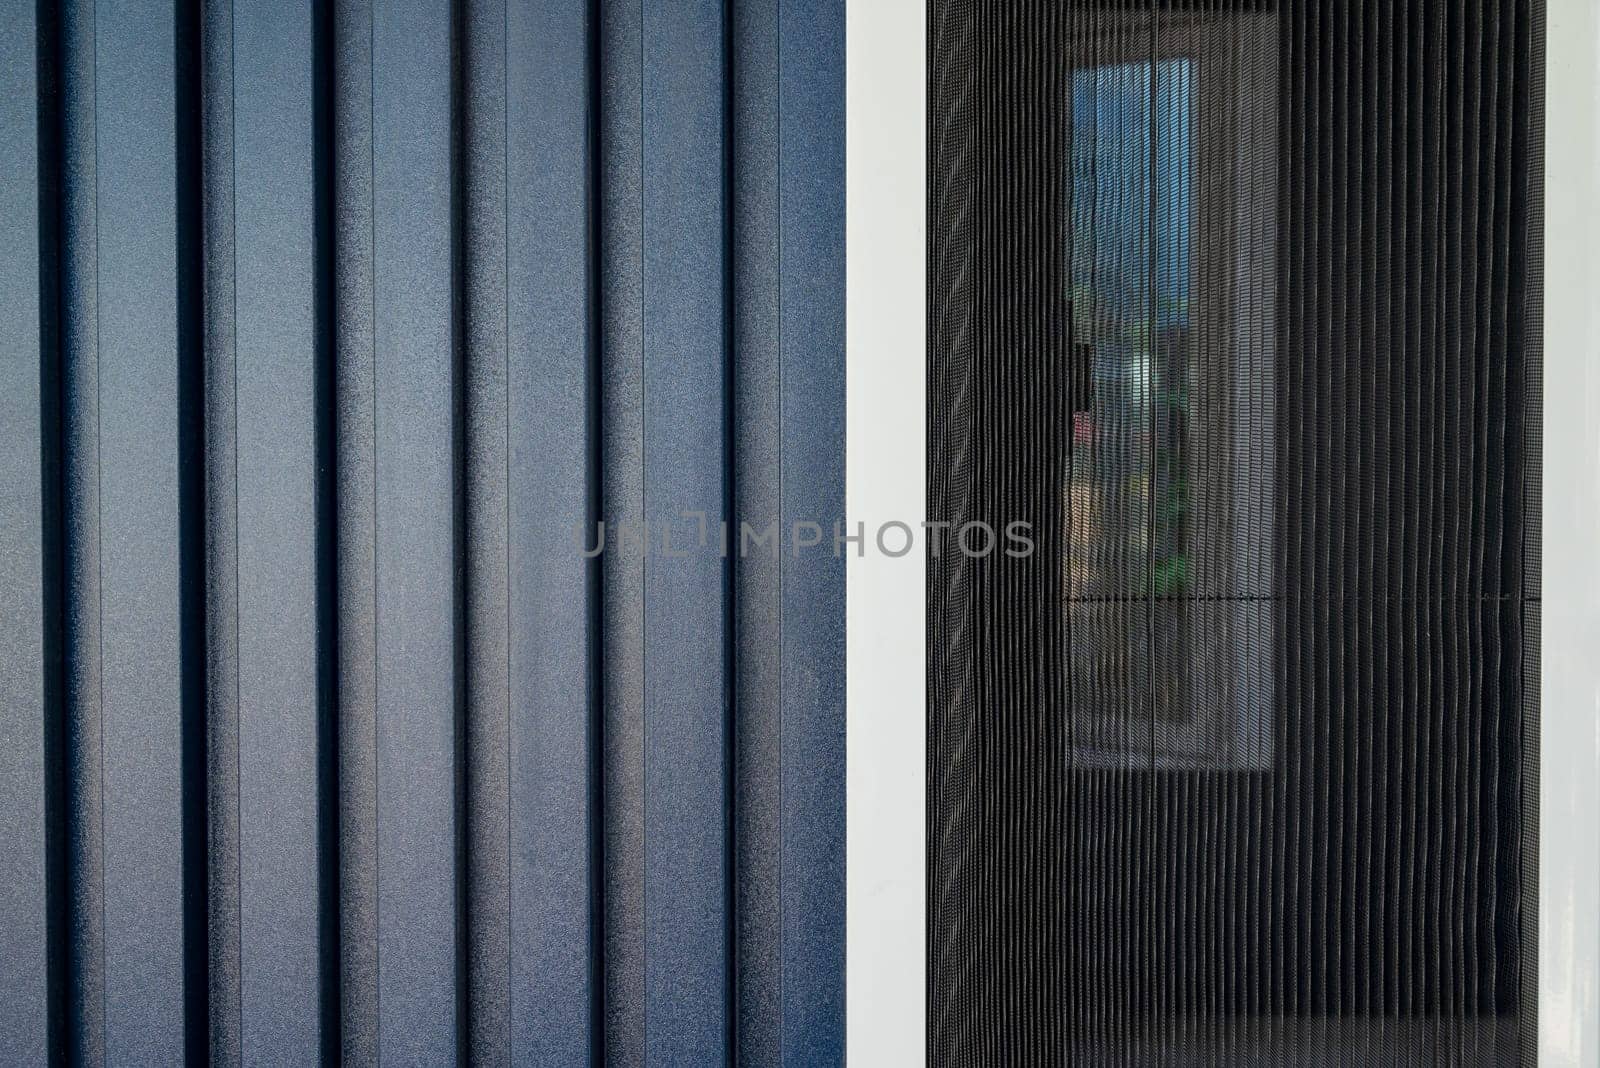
<point x="80" y="367"/>
<point x="58" y="886"/>
<point x="222" y="530"/>
<point x="24" y="716"/>
<point x="415" y="587"/>
<point x="459" y="502"/>
<point x="189" y="139"/>
<point x="142" y="697"/>
<point x="685" y="698"/>
<point x="325" y="432"/>
<point x="275" y="369"/>
<point x="811" y="163"/>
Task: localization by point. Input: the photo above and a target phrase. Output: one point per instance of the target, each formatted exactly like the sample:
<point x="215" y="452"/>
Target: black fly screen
<point x="1237" y="305"/>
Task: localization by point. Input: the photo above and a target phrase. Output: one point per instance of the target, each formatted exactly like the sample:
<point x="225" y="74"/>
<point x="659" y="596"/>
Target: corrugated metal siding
<point x="327" y="326"/>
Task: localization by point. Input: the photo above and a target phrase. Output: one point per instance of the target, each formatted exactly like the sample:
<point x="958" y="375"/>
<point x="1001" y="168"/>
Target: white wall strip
<point x="1569" y="777"/>
<point x="886" y="329"/>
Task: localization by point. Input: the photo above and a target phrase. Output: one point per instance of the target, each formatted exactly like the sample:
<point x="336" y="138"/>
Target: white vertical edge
<point x="886" y="476"/>
<point x="1569" y="774"/>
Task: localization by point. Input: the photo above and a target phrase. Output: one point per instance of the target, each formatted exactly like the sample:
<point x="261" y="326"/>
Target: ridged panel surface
<point x="339" y="335"/>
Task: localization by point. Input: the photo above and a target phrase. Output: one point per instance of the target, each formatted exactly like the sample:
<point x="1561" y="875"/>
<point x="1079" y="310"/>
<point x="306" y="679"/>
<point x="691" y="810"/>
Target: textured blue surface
<point x="23" y="385"/>
<point x="414" y="445"/>
<point x="756" y="458"/>
<point x="362" y="310"/>
<point x="620" y="334"/>
<point x="685" y="670"/>
<point x="788" y="385"/>
<point x="549" y="383"/>
<point x="811" y="301"/>
<point x="85" y="996"/>
<point x="275" y="350"/>
<point x="140" y="601"/>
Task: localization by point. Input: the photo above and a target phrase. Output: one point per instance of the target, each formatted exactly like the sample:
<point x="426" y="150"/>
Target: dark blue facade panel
<point x="275" y="353"/>
<point x="140" y="598"/>
<point x="383" y="377"/>
<point x="755" y="459"/>
<point x="415" y="438"/>
<point x="811" y="744"/>
<point x="550" y="441"/>
<point x="26" y="378"/>
<point x="686" y="589"/>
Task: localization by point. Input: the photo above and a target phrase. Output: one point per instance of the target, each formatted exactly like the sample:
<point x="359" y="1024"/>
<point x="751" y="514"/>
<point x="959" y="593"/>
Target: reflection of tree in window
<point x="1130" y="311"/>
<point x="1171" y="260"/>
<point x="1127" y="326"/>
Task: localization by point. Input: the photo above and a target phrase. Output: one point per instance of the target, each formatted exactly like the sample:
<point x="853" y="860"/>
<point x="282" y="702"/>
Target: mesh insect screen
<point x="1237" y="304"/>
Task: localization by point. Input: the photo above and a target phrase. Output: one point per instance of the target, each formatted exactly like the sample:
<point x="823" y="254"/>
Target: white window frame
<point x="886" y="480"/>
<point x="1569" y="678"/>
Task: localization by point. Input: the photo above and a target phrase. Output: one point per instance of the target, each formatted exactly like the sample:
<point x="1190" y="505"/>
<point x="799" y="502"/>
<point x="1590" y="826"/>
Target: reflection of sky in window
<point x="1111" y="116"/>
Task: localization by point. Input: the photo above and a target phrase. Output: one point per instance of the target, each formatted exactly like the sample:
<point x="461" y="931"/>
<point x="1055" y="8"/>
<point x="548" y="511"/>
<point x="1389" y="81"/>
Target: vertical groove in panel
<point x="81" y="535"/>
<point x="754" y="355"/>
<point x="356" y="521"/>
<point x="329" y="751"/>
<point x="620" y="314"/>
<point x="485" y="146"/>
<point x="58" y="882"/>
<point x="811" y="740"/>
<point x="190" y="255"/>
<point x="222" y="534"/>
<point x="593" y="516"/>
<point x="459" y="250"/>
<point x="25" y="366"/>
<point x="685" y="699"/>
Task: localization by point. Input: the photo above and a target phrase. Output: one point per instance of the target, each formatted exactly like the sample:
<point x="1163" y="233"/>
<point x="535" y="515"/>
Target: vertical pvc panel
<point x="549" y="433"/>
<point x="275" y="378"/>
<point x="686" y="698"/>
<point x="811" y="302"/>
<point x="140" y="607"/>
<point x="23" y="714"/>
<point x="414" y="446"/>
